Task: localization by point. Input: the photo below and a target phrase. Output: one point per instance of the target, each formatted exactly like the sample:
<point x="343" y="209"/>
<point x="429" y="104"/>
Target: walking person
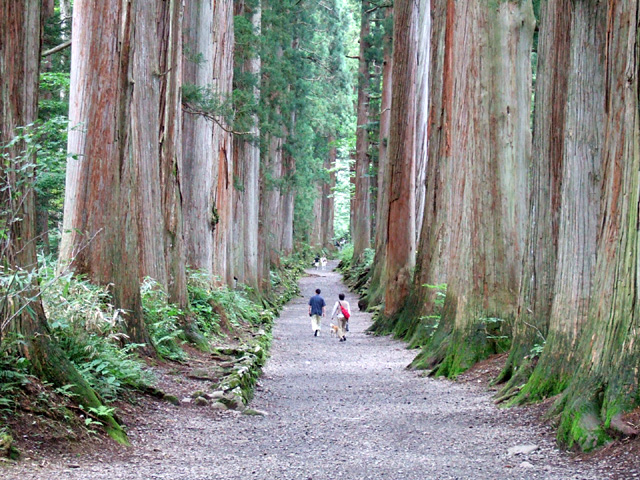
<point x="317" y="308"/>
<point x="343" y="311"/>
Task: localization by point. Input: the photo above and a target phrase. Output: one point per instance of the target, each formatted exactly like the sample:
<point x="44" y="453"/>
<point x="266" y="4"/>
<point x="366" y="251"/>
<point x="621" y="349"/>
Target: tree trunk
<point x="580" y="199"/>
<point x="222" y="87"/>
<point x="247" y="167"/>
<point x="488" y="141"/>
<point x="422" y="105"/>
<point x="288" y="194"/>
<point x="20" y="42"/>
<point x="327" y="201"/>
<point x="417" y="319"/>
<point x="375" y="294"/>
<point x="401" y="237"/>
<point x="200" y="164"/>
<point x="545" y="180"/>
<point x="361" y="227"/>
<point x="101" y="213"/>
<point x="170" y="133"/>
<point x="606" y="384"/>
<point x="145" y="128"/>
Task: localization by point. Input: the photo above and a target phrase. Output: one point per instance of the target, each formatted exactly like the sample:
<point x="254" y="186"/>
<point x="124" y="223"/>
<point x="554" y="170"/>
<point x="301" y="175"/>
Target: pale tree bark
<point x="222" y="195"/>
<point x="66" y="14"/>
<point x="361" y="210"/>
<point x="170" y="136"/>
<point x="401" y="237"/>
<point x="288" y="192"/>
<point x="606" y="384"/>
<point x="545" y="180"/>
<point x="101" y="202"/>
<point x="270" y="207"/>
<point x="488" y="141"/>
<point x="22" y="311"/>
<point x="316" y="229"/>
<point x="327" y="201"/>
<point x="207" y="145"/>
<point x="145" y="127"/>
<point x="200" y="163"/>
<point x="580" y="199"/>
<point x="247" y="167"/>
<point x="422" y="105"/>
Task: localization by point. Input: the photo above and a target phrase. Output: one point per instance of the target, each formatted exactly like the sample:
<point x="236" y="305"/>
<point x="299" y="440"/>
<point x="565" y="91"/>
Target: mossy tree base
<point x="49" y="363"/>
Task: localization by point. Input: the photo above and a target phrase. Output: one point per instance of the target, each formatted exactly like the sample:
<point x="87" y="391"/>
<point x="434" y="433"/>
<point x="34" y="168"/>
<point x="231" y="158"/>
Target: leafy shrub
<point x="209" y="303"/>
<point x="90" y="331"/>
<point x="163" y="320"/>
<point x="14" y="374"/>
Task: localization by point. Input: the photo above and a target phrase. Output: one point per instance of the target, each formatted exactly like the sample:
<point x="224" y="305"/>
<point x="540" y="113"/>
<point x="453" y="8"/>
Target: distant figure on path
<point x="342" y="319"/>
<point x="323" y="262"/>
<point x="316" y="262"/>
<point x="317" y="307"/>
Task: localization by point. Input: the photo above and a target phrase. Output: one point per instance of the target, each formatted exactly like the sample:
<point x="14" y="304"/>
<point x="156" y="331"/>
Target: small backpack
<point x="345" y="312"/>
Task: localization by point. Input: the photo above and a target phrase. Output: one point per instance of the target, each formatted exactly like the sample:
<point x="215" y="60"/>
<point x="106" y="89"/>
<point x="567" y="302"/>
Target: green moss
<point x="543" y="384"/>
<point x="580" y="426"/>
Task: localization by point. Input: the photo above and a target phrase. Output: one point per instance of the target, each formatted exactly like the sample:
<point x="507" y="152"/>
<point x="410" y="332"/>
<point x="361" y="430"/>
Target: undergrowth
<point x="91" y="331"/>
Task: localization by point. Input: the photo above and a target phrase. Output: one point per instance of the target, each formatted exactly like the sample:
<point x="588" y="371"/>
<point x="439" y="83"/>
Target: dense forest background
<point x="168" y="166"/>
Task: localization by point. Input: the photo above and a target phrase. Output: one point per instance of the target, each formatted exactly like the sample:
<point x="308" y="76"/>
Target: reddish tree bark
<point x="487" y="139"/>
<point x="101" y="214"/>
<point x="545" y="181"/>
<point x="580" y="197"/>
<point x="22" y="310"/>
<point x="605" y="385"/>
<point x="375" y="294"/>
<point x="401" y="237"/>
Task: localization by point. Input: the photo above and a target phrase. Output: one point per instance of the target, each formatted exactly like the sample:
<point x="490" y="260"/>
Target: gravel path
<point x="334" y="411"/>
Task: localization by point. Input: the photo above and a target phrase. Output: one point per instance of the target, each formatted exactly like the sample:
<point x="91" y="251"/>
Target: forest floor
<point x="335" y="410"/>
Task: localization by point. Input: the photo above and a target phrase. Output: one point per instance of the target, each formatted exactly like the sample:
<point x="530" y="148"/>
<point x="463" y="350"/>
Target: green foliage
<point x="55" y="83"/>
<point x="14" y="374"/>
<point x="210" y="103"/>
<point x="346" y="255"/>
<point x="90" y="332"/>
<point x="495" y="333"/>
<point x="163" y="320"/>
<point x="306" y="93"/>
<point x="218" y="307"/>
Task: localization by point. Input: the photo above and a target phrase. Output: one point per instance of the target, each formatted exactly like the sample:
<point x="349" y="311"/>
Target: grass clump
<point x="90" y="330"/>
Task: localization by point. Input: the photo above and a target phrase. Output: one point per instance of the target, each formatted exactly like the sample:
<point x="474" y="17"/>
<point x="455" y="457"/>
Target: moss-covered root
<point x="194" y="336"/>
<point x="50" y="364"/>
<point x="450" y="354"/>
<point x="513" y="380"/>
<point x="580" y="423"/>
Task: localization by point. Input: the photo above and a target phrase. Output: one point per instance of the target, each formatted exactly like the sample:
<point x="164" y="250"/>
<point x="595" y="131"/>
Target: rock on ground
<point x="332" y="411"/>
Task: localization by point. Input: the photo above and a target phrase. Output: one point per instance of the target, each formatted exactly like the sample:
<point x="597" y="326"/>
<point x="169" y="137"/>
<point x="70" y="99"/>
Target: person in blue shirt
<point x="317" y="308"/>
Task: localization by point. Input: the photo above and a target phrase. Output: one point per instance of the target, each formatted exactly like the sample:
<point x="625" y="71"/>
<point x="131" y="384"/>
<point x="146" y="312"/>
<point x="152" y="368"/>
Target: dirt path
<point x="334" y="411"/>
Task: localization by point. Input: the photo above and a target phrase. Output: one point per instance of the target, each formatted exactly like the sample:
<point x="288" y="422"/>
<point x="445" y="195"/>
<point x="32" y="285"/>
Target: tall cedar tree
<point x="108" y="120"/>
<point x="20" y="42"/>
<point x="401" y="238"/>
<point x="361" y="207"/>
<point x="489" y="152"/>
